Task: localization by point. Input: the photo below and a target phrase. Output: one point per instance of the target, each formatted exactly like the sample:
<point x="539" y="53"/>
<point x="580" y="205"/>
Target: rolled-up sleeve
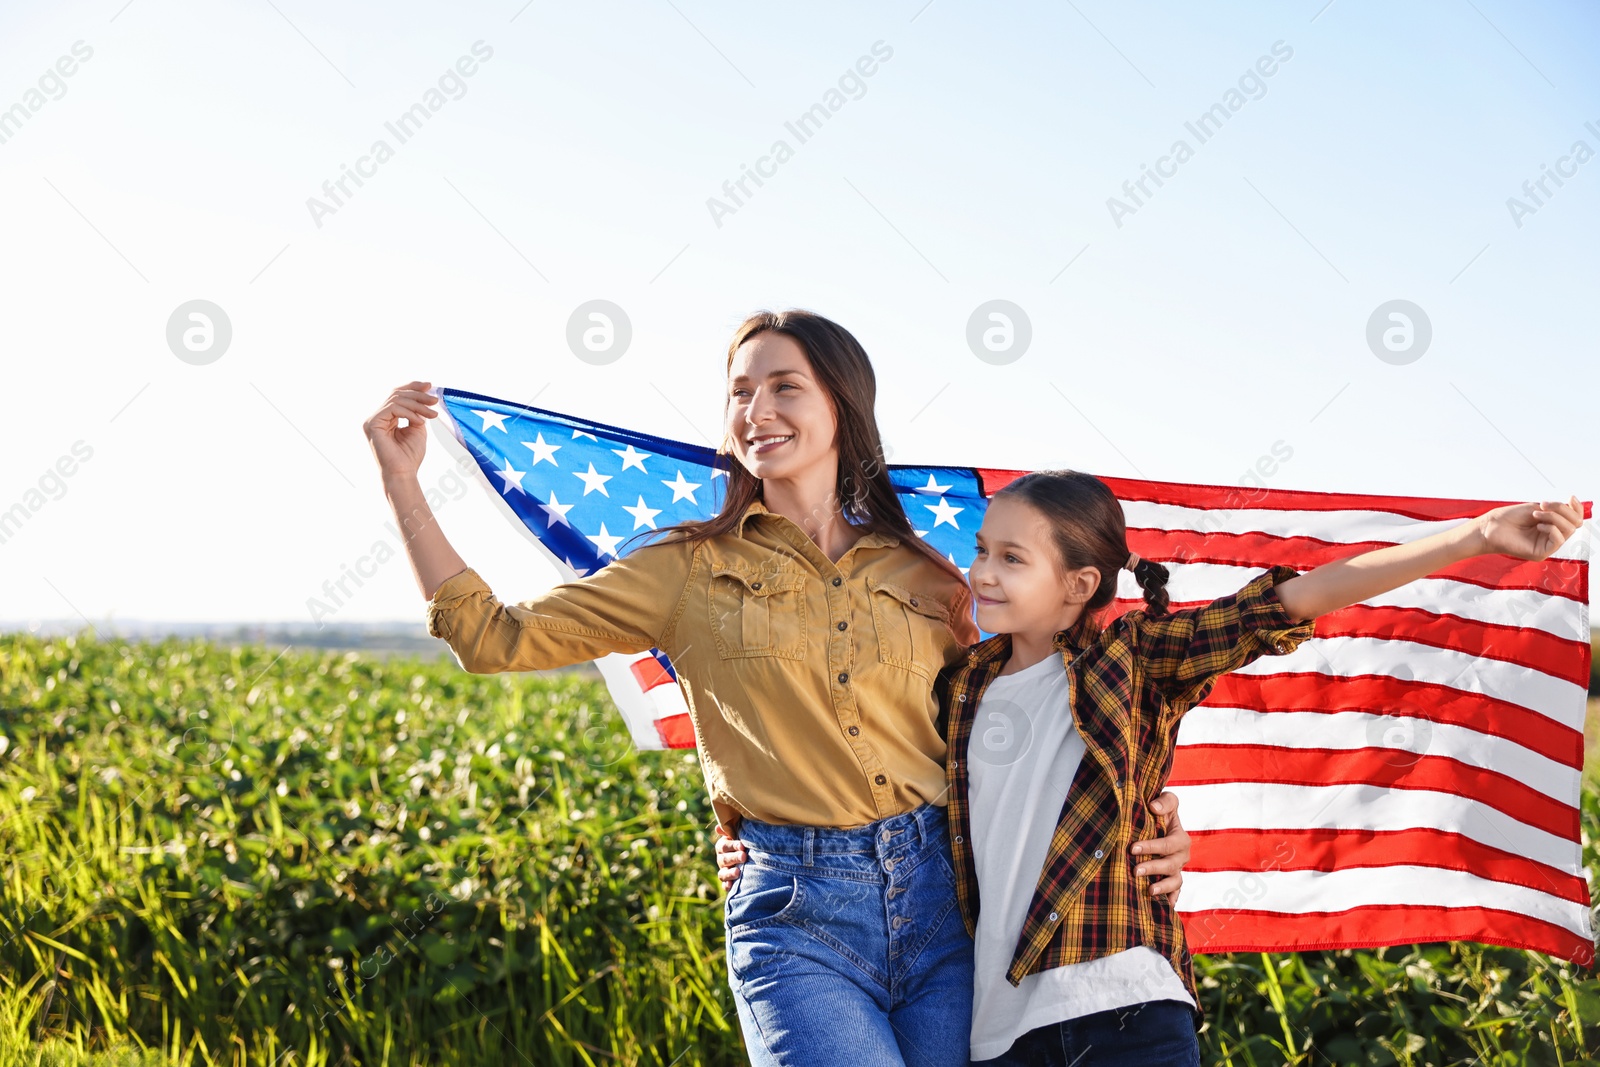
<point x="629" y="605"/>
<point x="1185" y="652"/>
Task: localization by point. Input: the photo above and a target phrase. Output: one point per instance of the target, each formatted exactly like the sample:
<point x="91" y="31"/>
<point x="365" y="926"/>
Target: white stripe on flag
<point x="1563" y="617"/>
<point x="1345" y="730"/>
<point x="1270" y="806"/>
<point x="1345" y="657"/>
<point x="1342" y="527"/>
<point x="1298" y="892"/>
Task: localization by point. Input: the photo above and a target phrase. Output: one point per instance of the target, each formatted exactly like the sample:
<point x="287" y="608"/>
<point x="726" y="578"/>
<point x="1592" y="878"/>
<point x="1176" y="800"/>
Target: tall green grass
<point x="215" y="855"/>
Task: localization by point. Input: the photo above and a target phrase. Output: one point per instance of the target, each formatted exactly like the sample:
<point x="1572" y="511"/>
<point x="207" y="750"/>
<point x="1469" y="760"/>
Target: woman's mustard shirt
<point x="809" y="683"/>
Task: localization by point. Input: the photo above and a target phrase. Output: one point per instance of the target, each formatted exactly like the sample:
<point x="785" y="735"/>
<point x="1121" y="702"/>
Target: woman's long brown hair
<point x="863" y="487"/>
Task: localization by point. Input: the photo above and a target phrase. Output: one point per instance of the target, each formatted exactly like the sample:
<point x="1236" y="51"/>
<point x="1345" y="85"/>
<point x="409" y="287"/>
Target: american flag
<point x="1411" y="774"/>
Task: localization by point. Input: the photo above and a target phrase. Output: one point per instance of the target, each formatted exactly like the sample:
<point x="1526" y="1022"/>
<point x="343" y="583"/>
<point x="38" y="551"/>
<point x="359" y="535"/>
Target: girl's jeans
<point x="1157" y="1033"/>
<point x="847" y="946"/>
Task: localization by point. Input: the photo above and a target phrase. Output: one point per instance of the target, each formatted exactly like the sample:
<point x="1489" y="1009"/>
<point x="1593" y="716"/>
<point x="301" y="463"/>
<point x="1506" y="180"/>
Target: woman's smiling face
<point x="780" y="422"/>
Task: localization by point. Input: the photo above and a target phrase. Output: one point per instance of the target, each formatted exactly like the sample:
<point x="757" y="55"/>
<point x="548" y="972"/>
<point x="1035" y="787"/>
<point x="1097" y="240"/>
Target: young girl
<point x="1059" y="730"/>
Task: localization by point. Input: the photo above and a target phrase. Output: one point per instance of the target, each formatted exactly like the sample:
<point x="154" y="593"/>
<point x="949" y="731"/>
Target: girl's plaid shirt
<point x="1130" y="686"/>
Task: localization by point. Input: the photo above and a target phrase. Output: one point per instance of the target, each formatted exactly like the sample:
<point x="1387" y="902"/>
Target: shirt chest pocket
<point x="911" y="628"/>
<point x="758" y="613"/>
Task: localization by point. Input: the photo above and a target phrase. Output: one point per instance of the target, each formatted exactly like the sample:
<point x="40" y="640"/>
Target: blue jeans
<point x="847" y="946"/>
<point x="1157" y="1033"/>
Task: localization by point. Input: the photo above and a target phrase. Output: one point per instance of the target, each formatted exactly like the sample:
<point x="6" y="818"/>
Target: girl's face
<point x="780" y="423"/>
<point x="1015" y="577"/>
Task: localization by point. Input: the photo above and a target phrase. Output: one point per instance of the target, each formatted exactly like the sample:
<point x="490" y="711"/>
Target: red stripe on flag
<point x="1367" y="927"/>
<point x="676" y="731"/>
<point x="1381" y="767"/>
<point x="1379" y="694"/>
<point x="1231" y="497"/>
<point x="649" y="673"/>
<point x="1328" y="849"/>
<point x="1523" y="646"/>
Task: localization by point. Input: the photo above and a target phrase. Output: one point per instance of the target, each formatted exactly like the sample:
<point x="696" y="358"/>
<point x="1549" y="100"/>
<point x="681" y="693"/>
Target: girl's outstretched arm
<point x="1526" y="531"/>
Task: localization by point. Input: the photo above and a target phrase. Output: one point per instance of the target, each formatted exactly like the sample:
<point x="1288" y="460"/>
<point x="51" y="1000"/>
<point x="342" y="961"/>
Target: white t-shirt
<point x="1021" y="757"/>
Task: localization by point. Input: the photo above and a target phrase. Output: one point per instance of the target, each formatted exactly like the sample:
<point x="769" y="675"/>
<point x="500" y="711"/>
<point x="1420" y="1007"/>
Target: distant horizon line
<point x="180" y="627"/>
<point x="73" y="624"/>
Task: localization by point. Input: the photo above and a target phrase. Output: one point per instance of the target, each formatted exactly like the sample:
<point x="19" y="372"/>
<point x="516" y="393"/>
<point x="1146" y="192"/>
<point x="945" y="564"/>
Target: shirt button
<point x="913" y="601"/>
<point x="959" y="839"/>
<point x="844" y="676"/>
<point x="880" y="779"/>
<point x="962" y="698"/>
<point x="1099" y="854"/>
<point x="854" y="730"/>
<point x="843" y="625"/>
<point x="836" y="581"/>
<point x="1054" y="916"/>
<point x="755" y="585"/>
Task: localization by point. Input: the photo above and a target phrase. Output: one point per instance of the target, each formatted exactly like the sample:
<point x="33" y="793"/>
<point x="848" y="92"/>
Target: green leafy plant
<point x="245" y="855"/>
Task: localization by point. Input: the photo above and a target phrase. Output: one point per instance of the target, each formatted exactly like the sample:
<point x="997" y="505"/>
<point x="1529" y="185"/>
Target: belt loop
<point x="810" y="838"/>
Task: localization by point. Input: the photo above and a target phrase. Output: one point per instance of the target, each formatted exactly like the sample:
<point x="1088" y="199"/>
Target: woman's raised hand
<point x="397" y="448"/>
<point x="1530" y="531"/>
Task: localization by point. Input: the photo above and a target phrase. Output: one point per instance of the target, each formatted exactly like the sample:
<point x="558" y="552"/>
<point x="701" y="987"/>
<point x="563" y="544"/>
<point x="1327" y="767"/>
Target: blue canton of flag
<point x="583" y="488"/>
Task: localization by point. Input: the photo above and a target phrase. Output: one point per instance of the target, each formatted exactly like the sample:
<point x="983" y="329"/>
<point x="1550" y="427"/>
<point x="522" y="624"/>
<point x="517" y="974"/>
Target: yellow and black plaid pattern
<point x="1130" y="686"/>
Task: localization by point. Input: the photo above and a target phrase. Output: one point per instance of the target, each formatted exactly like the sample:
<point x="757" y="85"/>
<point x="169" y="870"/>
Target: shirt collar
<point x="867" y="540"/>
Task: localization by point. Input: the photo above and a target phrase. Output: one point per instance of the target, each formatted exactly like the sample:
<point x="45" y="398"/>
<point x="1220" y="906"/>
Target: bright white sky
<point x="1225" y="317"/>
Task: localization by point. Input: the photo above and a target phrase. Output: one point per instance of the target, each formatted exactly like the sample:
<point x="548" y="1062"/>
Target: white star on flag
<point x="488" y="417"/>
<point x="642" y="515"/>
<point x="630" y="458"/>
<point x="944" y="512"/>
<point x="933" y="487"/>
<point x="594" y="480"/>
<point x="605" y="543"/>
<point x="682" y="490"/>
<point x="555" y="513"/>
<point x="511" y="477"/>
<point x="543" y="451"/>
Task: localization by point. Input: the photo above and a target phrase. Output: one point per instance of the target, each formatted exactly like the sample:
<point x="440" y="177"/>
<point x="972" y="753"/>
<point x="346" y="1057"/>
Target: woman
<point x="806" y="623"/>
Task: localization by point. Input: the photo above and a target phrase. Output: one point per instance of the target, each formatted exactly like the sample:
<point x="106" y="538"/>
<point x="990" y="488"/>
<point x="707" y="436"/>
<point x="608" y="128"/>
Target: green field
<point x="234" y="855"/>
